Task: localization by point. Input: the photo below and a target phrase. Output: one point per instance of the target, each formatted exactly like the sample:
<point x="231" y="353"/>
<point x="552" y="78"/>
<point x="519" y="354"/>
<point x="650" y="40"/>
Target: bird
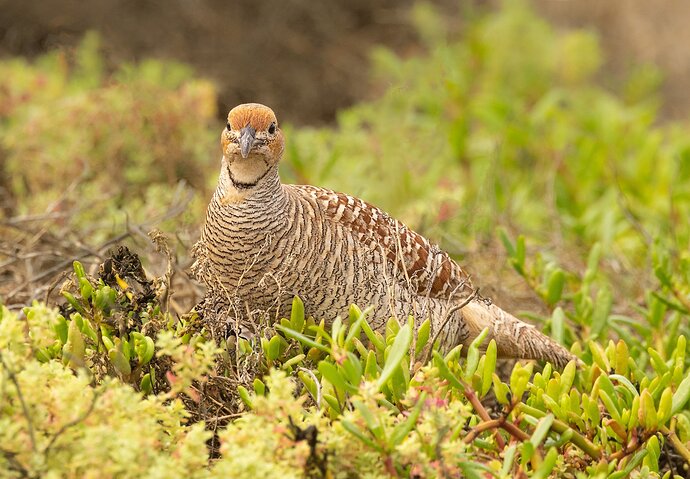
<point x="264" y="242"/>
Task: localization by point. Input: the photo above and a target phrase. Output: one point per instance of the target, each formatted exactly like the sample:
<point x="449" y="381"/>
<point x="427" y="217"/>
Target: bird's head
<point x="252" y="143"/>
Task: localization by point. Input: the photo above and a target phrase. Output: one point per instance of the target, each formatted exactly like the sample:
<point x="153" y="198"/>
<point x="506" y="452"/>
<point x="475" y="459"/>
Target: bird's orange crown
<point x="256" y="115"/>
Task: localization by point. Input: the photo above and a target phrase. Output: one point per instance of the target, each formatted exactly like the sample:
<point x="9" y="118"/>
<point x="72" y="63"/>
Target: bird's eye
<point x="272" y="128"/>
<point x="228" y="126"/>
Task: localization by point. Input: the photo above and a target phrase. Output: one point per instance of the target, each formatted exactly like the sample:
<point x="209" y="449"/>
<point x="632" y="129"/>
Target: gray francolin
<point x="265" y="242"/>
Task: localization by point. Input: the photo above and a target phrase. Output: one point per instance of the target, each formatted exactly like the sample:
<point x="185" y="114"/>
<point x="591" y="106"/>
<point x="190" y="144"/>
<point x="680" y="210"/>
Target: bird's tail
<point x="514" y="338"/>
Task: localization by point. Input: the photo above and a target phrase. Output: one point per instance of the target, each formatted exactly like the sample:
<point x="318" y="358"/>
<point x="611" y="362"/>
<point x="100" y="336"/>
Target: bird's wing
<point x="429" y="270"/>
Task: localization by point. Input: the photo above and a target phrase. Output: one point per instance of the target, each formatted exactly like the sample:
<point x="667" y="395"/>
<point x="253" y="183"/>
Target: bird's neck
<point x="232" y="190"/>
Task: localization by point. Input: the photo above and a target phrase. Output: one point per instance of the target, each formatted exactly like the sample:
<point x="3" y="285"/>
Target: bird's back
<point x="330" y="249"/>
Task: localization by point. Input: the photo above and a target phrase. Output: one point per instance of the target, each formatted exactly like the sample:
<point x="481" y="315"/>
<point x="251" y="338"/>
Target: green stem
<point x="560" y="427"/>
<point x="676" y="443"/>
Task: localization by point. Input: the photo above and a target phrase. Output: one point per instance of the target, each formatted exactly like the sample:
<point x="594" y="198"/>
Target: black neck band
<point x="245" y="186"/>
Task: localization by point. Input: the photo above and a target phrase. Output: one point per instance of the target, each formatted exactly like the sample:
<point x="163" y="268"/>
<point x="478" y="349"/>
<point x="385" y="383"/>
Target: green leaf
<point x="73" y="302"/>
<point x="633" y="420"/>
<point x="84" y="326"/>
<point x="626" y="383"/>
<point x="446" y="373"/>
<point x="599" y="356"/>
<point x="371" y="368"/>
<point x="149" y="350"/>
<point x="542" y="429"/>
<point x="273" y="348"/>
<point x="61" y="328"/>
<point x="602" y="309"/>
<point x="558" y="325"/>
<point x="392" y="328"/>
<point x="501" y="390"/>
<point x="453" y="353"/>
<point x="423" y="334"/>
<point x="665" y="406"/>
<point x="75" y="348"/>
<point x="631" y="465"/>
<point x="507" y="244"/>
<point x="79" y="270"/>
<point x="519" y="379"/>
<point x="591" y="408"/>
<point x="555" y="286"/>
<point x="244" y="396"/>
<point x="546" y="467"/>
<point x="144" y="347"/>
<point x="119" y="361"/>
<point x="107" y="342"/>
<point x="302" y="338"/>
<point x="85" y="289"/>
<point x="508" y="458"/>
<point x="400" y="346"/>
<point x="489" y="367"/>
<point x="352" y="368"/>
<point x="373" y="337"/>
<point x="336" y="331"/>
<point x="654" y="451"/>
<point x="681" y="396"/>
<point x="357" y="432"/>
<point x="333" y="376"/>
<point x="647" y="413"/>
<point x="293" y="361"/>
<point x="370" y="419"/>
<point x="568" y="377"/>
<point x="309" y="383"/>
<point x="474" y="470"/>
<point x="357" y="317"/>
<point x="552" y="405"/>
<point x="361" y="348"/>
<point x="332" y="402"/>
<point x="592" y="263"/>
<point x="518" y="259"/>
<point x="622" y="356"/>
<point x="680" y="350"/>
<point x="146" y="385"/>
<point x="657" y="361"/>
<point x="473" y="354"/>
<point x="259" y="387"/>
<point x="526" y="452"/>
<point x="611" y="405"/>
<point x="297" y="315"/>
<point x="123" y="345"/>
<point x="403" y="429"/>
<point x="398" y="382"/>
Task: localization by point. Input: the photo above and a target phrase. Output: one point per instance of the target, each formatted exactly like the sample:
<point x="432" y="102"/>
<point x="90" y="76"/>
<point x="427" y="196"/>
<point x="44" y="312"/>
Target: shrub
<point x="97" y="146"/>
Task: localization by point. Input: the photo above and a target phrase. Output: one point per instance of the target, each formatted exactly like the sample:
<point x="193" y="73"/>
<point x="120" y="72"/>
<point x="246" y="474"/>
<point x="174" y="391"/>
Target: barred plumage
<point x="264" y="242"/>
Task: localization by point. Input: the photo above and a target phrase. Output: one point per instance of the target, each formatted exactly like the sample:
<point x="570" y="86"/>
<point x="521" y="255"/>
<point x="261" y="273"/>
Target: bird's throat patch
<point x="243" y="180"/>
<point x="246" y="174"/>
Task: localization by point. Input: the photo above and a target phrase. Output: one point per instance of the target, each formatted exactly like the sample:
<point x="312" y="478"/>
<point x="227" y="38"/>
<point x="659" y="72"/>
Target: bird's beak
<point x="247" y="135"/>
